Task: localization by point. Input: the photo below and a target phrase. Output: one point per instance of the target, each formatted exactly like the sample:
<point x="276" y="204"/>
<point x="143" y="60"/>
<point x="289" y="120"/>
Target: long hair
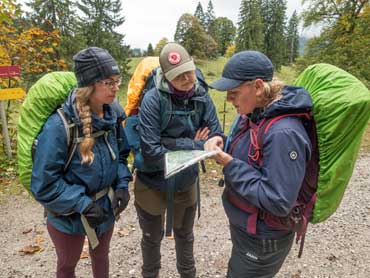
<point x="84" y="111"/>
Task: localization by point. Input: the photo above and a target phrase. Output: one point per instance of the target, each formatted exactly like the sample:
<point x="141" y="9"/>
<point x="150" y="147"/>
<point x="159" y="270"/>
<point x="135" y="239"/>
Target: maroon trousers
<point x="69" y="247"/>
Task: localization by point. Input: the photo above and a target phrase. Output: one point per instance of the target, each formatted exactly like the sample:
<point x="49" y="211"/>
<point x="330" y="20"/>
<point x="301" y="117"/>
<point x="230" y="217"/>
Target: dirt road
<point x="340" y="247"/>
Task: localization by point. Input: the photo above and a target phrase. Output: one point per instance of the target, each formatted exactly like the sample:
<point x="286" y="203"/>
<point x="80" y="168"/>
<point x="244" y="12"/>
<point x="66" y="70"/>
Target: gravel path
<point x="337" y="248"/>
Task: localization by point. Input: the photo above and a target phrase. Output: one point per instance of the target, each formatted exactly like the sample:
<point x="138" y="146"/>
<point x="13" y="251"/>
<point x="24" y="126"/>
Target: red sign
<point x="9" y="71"/>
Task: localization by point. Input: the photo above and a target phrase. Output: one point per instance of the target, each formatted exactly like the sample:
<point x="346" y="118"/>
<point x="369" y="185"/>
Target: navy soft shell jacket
<point x="68" y="192"/>
<point x="178" y="135"/>
<point x="274" y="187"/>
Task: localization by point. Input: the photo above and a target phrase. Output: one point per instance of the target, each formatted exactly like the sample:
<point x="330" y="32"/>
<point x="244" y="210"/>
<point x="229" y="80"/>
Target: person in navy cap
<point x="262" y="179"/>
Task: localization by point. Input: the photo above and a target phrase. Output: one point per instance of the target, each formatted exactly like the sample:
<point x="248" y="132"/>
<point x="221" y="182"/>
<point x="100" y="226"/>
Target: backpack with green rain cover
<point x="341" y="110"/>
<point x="42" y="99"/>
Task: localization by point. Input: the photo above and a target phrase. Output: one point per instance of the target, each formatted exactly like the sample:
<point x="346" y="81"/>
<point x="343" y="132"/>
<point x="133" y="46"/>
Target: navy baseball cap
<point x="244" y="66"/>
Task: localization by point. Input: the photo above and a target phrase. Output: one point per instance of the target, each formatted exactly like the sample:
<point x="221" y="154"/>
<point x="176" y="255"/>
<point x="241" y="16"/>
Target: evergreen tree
<point x="209" y="17"/>
<point x="274" y="18"/>
<point x="98" y="22"/>
<point x="135" y="52"/>
<point x="53" y="14"/>
<point x="150" y="50"/>
<point x="199" y="13"/>
<point x="250" y="26"/>
<point x="293" y="38"/>
<point x="223" y="32"/>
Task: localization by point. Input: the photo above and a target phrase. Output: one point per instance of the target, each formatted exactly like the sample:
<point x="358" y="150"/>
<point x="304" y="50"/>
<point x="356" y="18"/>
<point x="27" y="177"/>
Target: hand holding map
<point x="176" y="161"/>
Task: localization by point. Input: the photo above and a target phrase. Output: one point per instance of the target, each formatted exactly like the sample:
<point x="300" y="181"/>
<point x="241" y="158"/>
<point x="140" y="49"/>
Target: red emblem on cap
<point x="174" y="58"/>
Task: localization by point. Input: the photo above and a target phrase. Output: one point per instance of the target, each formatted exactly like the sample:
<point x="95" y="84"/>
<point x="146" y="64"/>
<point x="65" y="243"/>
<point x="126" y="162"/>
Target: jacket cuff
<point x="218" y="134"/>
<point x="83" y="204"/>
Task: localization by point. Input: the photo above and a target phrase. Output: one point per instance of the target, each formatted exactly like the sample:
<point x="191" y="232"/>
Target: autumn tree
<point x="223" y="32"/>
<point x="30" y="47"/>
<point x="51" y="15"/>
<point x="250" y="26"/>
<point x="345" y="38"/>
<point x="159" y="46"/>
<point x="230" y="51"/>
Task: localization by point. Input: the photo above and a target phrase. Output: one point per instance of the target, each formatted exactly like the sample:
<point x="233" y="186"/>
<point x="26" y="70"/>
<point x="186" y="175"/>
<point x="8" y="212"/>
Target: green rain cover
<point x="41" y="101"/>
<point x="341" y="109"/>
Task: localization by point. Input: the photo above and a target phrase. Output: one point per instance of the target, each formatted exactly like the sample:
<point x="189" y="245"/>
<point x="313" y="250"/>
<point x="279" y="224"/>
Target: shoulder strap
<point x="258" y="132"/>
<point x="71" y="134"/>
<point x="165" y="109"/>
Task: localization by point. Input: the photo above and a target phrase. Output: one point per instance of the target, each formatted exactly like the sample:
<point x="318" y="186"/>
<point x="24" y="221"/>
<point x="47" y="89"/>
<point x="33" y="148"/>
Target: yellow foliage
<point x="230" y="50"/>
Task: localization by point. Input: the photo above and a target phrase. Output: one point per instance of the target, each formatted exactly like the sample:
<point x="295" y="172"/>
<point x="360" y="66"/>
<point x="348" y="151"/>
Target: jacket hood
<point x="106" y="123"/>
<point x="293" y="100"/>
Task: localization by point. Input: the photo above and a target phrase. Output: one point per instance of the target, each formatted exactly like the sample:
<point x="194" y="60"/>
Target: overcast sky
<point x="147" y="21"/>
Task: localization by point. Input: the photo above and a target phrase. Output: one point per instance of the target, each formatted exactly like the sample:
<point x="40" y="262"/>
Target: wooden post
<point x="5" y="129"/>
<point x="5" y="94"/>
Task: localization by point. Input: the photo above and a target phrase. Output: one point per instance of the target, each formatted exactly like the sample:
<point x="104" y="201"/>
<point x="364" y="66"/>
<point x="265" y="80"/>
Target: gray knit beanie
<point x="93" y="64"/>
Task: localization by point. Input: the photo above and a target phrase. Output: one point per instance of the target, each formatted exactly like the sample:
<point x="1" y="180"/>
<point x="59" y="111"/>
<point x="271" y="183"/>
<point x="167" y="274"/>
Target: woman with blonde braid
<point x="84" y="198"/>
<point x="263" y="170"/>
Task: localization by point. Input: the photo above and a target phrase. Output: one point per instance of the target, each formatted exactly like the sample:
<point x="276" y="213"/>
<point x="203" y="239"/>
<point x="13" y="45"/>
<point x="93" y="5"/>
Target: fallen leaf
<point x="31" y="249"/>
<point x="171" y="237"/>
<point x="40" y="232"/>
<point x="39" y="239"/>
<point x="123" y="232"/>
<point x="84" y="255"/>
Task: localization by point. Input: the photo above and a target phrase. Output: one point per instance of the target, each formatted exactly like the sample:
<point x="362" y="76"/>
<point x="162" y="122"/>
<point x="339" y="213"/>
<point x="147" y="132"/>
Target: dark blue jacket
<point x="274" y="187"/>
<point x="178" y="134"/>
<point x="68" y="192"/>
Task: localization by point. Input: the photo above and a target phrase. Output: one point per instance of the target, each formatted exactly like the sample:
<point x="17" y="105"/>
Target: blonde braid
<point x="84" y="112"/>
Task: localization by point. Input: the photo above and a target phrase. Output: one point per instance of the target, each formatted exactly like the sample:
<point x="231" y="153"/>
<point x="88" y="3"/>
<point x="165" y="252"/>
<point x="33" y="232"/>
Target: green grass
<point x="212" y="70"/>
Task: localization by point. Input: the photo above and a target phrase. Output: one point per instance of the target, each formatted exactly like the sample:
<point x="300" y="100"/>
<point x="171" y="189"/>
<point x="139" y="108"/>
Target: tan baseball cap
<point x="175" y="60"/>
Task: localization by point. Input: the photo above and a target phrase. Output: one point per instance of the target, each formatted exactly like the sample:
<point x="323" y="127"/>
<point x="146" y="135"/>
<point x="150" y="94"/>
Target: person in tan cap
<point x="177" y="114"/>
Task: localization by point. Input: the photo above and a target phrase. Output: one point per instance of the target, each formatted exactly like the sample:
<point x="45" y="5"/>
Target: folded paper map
<point x="176" y="161"/>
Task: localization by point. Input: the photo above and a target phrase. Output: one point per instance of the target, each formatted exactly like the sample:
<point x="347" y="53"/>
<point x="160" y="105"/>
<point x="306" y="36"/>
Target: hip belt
<point x="90" y="232"/>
